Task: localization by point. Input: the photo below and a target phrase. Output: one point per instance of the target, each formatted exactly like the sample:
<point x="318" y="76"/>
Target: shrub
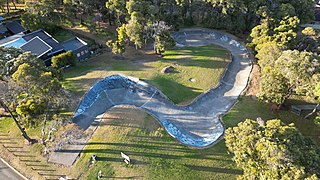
<point x="64" y="59"/>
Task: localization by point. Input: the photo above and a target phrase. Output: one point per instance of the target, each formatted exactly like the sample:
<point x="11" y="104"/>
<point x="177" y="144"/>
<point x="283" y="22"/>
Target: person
<point x="99" y="174"/>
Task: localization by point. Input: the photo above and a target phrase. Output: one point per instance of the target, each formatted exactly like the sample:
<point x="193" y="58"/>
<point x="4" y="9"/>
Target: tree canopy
<point x="286" y="73"/>
<point x="272" y="150"/>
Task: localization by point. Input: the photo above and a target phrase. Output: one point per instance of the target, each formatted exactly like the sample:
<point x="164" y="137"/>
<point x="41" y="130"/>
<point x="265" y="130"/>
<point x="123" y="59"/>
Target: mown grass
<point x="155" y="155"/>
<point x="204" y="64"/>
<point x="63" y="35"/>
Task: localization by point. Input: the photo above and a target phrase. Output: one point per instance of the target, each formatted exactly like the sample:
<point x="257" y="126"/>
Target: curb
<point x="17" y="172"/>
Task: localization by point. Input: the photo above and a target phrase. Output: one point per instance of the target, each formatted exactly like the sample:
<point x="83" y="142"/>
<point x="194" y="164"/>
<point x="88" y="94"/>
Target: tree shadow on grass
<point x="120" y="160"/>
<point x="140" y="146"/>
<point x="131" y="177"/>
<point x="215" y="169"/>
<point x="176" y="92"/>
<point x="28" y="160"/>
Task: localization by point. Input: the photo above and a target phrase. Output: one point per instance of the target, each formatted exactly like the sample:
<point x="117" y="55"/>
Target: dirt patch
<point x="131" y="117"/>
<point x="254" y="82"/>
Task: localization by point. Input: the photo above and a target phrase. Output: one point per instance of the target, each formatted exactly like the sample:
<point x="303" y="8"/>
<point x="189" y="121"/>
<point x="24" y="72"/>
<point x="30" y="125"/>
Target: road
<point x="6" y="173"/>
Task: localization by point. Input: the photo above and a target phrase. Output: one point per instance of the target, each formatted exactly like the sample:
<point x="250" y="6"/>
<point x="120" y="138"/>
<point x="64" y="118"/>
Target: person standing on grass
<point x="99" y="174"/>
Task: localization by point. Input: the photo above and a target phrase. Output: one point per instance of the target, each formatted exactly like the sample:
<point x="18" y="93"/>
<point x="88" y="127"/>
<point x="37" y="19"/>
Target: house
<point x="10" y="41"/>
<point x="15" y="27"/>
<point x="42" y="44"/>
<point x="78" y="47"/>
<point x="2" y="19"/>
<point x="317" y="13"/>
<point x="11" y="28"/>
<point x="4" y="32"/>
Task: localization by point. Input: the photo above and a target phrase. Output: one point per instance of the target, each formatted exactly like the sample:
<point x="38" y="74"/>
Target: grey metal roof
<point x="318" y="16"/>
<point x="73" y="44"/>
<point x="3" y="29"/>
<point x="46" y="38"/>
<point x="36" y="46"/>
<point x="15" y="27"/>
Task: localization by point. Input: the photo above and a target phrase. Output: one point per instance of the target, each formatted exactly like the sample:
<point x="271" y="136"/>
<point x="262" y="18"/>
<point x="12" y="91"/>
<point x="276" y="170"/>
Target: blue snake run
<point x="197" y="124"/>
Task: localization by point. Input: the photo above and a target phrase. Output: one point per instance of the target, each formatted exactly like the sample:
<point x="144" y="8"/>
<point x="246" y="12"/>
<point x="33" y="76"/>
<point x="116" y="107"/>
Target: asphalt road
<point x="6" y="173"/>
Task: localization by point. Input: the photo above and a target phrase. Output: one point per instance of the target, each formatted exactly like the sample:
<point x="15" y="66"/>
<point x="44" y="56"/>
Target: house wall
<point x="82" y="53"/>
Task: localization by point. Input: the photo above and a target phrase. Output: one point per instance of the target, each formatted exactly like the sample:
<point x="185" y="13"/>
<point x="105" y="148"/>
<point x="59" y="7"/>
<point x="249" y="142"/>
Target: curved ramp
<point x="197" y="124"/>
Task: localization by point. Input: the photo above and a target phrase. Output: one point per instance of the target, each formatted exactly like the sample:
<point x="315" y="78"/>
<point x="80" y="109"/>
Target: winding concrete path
<point x="197" y="124"/>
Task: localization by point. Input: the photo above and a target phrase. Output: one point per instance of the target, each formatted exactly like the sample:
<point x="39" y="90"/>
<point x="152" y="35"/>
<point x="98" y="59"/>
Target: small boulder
<point x="192" y="80"/>
<point x="168" y="69"/>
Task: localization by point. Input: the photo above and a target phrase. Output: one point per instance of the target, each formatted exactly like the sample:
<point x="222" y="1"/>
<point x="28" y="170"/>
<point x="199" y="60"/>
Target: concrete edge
<point x="13" y="169"/>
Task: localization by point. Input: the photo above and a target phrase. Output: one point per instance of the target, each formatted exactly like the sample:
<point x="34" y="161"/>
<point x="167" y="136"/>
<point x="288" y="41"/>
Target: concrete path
<point x="8" y="173"/>
<point x="197" y="124"/>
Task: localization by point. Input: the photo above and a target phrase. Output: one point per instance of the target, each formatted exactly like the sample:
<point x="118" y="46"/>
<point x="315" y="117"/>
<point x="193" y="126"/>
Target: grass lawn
<point x="63" y="35"/>
<point x="155" y="155"/>
<point x="204" y="64"/>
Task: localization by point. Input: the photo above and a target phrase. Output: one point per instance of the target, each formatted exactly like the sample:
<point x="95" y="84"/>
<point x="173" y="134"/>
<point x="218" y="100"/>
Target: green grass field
<point x="204" y="64"/>
<point x="155" y="155"/>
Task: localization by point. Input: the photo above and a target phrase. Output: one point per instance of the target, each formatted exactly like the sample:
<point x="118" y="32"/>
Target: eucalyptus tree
<point x="6" y="55"/>
<point x="272" y="150"/>
<point x="292" y="72"/>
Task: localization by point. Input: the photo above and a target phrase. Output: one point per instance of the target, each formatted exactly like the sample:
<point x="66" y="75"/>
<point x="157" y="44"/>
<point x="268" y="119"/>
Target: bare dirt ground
<point x="253" y="85"/>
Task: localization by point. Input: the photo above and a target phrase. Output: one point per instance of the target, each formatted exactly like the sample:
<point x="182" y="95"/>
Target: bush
<point x="64" y="59"/>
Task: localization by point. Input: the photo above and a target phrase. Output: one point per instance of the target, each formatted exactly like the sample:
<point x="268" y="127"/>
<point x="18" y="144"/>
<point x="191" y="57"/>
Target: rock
<point x="168" y="69"/>
<point x="192" y="80"/>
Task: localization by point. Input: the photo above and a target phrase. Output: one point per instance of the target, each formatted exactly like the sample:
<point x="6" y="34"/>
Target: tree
<point x="273" y="86"/>
<point x="118" y="46"/>
<point x="317" y="98"/>
<point x="272" y="150"/>
<point x="7" y="54"/>
<point x="26" y="57"/>
<point x="34" y="92"/>
<point x="308" y="40"/>
<point x="118" y="9"/>
<point x="268" y="54"/>
<point x="23" y="132"/>
<point x="282" y="32"/>
<point x="160" y="32"/>
<point x="42" y="15"/>
<point x="63" y="59"/>
<point x="293" y="72"/>
<point x="134" y="29"/>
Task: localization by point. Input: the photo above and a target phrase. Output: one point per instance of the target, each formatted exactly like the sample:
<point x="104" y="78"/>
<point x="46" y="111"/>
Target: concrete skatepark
<point x="197" y="124"/>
